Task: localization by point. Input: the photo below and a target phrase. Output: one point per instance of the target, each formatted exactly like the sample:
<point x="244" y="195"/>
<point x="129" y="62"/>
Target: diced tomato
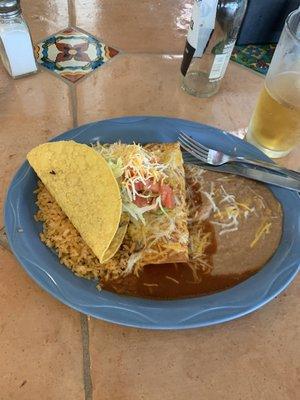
<point x="167" y="196"/>
<point x="141" y="201"/>
<point x="149" y="185"/>
<point x="139" y="186"/>
<point x="166" y="192"/>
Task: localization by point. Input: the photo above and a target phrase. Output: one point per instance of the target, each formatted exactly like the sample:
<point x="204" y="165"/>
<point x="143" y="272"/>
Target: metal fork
<point x="217" y="158"/>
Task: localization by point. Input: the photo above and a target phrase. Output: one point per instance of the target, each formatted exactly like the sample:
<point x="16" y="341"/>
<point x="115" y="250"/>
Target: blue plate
<point x="43" y="266"/>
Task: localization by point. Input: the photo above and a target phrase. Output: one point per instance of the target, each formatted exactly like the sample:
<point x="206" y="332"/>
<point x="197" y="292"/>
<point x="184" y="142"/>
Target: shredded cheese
<point x="132" y="164"/>
<point x="172" y="279"/>
<point x="229" y="198"/>
<point x="263" y="230"/>
<point x="228" y="218"/>
<point x="200" y="243"/>
<point x="243" y="205"/>
<point x="150" y="284"/>
<point x="211" y="200"/>
<point x="131" y="262"/>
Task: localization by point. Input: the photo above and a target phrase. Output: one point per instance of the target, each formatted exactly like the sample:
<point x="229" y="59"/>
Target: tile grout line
<point x="73" y="98"/>
<point x="72" y="13"/>
<point x="86" y="362"/>
<point x="3" y="240"/>
<point x="87" y="379"/>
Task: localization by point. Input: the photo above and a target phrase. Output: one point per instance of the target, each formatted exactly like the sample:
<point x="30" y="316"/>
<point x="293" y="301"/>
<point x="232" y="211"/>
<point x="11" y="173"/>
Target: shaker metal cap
<point x="9" y="7"/>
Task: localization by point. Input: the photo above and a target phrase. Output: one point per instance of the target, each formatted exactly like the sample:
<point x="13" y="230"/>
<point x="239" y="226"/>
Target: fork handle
<point x="267" y="165"/>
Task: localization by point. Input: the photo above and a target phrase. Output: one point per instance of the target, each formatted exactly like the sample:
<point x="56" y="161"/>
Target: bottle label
<point x="202" y="24"/>
<point x="187" y="58"/>
<point x="220" y="62"/>
<point x="200" y="31"/>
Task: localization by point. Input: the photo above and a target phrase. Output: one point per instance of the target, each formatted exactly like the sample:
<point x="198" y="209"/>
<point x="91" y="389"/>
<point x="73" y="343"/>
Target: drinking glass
<point x="275" y="123"/>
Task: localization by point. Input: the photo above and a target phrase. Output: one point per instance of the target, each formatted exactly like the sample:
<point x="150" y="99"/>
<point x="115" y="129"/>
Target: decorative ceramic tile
<point x="72" y="54"/>
<point x="255" y="57"/>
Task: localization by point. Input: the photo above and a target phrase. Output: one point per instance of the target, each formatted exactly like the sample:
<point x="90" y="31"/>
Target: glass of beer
<point x="275" y="123"/>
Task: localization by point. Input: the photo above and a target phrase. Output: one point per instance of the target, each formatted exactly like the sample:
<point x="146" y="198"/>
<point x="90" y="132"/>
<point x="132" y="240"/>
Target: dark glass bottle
<point x="210" y="41"/>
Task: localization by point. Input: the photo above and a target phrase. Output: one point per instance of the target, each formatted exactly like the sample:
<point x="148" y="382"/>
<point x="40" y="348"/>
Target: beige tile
<point x="256" y="357"/>
<point x="137" y="25"/>
<point x="45" y="17"/>
<point x="41" y="352"/>
<point x="150" y="85"/>
<point x="32" y="110"/>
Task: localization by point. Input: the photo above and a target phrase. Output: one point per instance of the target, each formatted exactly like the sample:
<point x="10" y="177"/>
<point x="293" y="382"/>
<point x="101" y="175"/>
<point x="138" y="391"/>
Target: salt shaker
<point x="16" y="49"/>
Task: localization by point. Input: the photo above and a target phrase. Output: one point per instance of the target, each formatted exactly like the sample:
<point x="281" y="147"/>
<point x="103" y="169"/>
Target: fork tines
<point x="193" y="147"/>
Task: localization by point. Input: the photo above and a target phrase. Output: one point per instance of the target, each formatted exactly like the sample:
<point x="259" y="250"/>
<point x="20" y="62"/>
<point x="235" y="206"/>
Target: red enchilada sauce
<point x="228" y="259"/>
<point x="173" y="281"/>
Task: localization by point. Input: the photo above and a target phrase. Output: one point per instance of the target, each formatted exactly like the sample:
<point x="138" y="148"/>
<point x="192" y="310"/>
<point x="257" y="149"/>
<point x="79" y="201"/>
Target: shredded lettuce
<point x="116" y="167"/>
<point x="123" y="160"/>
<point x="137" y="212"/>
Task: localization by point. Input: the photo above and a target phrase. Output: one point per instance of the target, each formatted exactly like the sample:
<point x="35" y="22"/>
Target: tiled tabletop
<point x="49" y="351"/>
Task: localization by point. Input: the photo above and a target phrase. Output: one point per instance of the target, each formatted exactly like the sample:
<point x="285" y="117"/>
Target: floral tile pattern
<point x="256" y="57"/>
<point x="72" y="54"/>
